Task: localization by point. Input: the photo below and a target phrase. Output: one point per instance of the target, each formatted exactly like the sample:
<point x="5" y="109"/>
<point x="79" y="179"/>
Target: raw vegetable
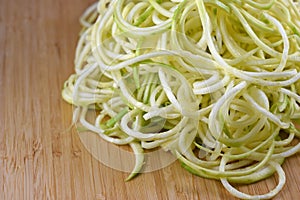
<point x="215" y="82"/>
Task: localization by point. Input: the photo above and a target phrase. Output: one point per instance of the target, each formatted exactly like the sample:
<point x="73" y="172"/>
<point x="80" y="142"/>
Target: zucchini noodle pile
<point x="215" y="82"/>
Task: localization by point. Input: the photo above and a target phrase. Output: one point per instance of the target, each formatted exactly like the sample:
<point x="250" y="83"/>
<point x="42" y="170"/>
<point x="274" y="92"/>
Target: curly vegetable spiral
<point x="215" y="82"/>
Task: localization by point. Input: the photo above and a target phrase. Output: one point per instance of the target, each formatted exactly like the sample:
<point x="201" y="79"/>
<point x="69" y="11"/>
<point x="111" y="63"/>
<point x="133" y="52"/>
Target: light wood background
<point x="39" y="157"/>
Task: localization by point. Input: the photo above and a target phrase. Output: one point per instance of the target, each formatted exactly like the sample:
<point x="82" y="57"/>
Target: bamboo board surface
<point x="39" y="157"/>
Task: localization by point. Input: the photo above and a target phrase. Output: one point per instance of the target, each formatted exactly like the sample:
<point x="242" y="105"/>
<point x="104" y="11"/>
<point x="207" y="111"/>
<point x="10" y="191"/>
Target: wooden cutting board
<point x="40" y="158"/>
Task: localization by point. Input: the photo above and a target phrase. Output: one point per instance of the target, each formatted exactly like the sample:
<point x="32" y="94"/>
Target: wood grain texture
<point x="39" y="157"/>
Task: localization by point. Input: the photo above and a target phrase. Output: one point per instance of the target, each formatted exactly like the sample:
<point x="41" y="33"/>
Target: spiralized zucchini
<point x="215" y="82"/>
